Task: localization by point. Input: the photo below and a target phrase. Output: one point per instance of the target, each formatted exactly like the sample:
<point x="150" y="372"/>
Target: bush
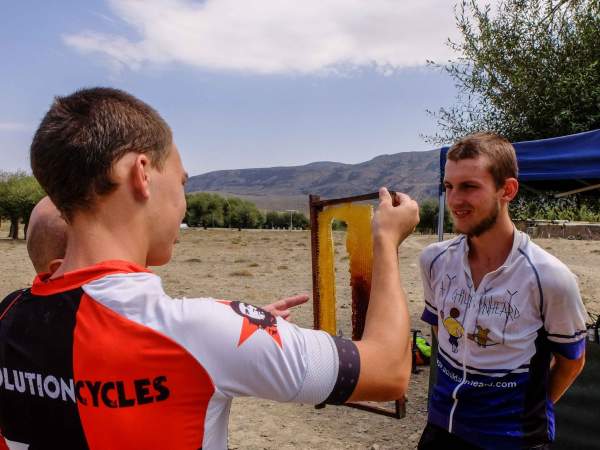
<point x="428" y="214"/>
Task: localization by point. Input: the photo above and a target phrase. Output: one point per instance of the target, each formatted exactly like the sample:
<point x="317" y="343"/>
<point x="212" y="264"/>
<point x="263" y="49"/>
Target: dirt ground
<point x="263" y="266"/>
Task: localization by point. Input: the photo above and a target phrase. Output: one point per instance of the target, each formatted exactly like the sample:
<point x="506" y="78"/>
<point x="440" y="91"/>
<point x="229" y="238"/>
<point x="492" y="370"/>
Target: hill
<point x="281" y="188"/>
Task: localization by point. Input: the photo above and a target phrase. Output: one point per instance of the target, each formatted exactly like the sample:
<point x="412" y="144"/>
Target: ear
<point x="140" y="176"/>
<point x="54" y="265"/>
<point x="510" y="189"/>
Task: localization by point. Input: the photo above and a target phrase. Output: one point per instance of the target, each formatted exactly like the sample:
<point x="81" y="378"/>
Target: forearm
<point x="387" y="325"/>
<point x="562" y="374"/>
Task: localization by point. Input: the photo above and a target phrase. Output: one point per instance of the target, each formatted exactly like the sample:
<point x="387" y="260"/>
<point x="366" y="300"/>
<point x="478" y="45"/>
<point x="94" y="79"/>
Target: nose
<point x="452" y="197"/>
<point x="455" y="199"/>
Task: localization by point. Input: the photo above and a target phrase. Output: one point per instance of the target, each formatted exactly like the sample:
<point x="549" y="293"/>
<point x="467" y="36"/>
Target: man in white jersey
<point x="508" y="315"/>
<point x="97" y="355"/>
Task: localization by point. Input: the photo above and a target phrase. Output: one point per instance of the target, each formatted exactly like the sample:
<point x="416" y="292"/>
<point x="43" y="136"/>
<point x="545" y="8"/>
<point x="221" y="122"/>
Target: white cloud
<point x="275" y="36"/>
<point x="14" y="126"/>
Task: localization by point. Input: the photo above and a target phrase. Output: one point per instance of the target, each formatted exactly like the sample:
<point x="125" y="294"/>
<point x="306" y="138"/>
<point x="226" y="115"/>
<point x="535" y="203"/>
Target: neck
<point x="493" y="247"/>
<point x="100" y="236"/>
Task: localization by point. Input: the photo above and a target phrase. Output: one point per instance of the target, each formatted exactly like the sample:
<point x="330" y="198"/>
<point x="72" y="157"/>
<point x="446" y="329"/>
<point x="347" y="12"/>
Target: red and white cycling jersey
<point x="102" y="358"/>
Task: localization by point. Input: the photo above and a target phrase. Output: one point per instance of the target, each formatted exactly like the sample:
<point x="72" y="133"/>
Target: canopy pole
<point x="442" y="203"/>
<point x="576" y="191"/>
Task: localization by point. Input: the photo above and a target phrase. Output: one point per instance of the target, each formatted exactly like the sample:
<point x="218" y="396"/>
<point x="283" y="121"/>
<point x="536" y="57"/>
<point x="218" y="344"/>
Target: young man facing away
<point x="98" y="356"/>
<point x="502" y="309"/>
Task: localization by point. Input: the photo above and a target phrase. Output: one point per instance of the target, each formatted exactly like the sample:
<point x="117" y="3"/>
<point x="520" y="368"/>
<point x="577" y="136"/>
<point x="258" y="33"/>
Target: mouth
<point x="461" y="213"/>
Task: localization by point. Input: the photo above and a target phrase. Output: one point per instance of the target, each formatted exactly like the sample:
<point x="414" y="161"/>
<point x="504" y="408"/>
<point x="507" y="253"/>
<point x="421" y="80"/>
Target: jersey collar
<point x="520" y="240"/>
<point x="43" y="285"/>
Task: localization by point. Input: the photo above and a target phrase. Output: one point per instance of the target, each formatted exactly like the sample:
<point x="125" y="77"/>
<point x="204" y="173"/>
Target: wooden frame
<point x="358" y="317"/>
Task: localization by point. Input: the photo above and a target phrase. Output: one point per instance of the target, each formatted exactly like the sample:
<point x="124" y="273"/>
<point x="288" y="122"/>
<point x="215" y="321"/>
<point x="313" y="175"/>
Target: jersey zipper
<point x="454" y="392"/>
<point x="464" y="358"/>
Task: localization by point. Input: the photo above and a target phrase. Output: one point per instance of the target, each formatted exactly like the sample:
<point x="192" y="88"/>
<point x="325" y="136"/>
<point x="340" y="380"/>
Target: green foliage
<point x="19" y="193"/>
<point x="339" y="225"/>
<point x="211" y="210"/>
<point x="243" y="214"/>
<point x="428" y="214"/>
<point x="205" y="210"/>
<point x="281" y="220"/>
<point x="529" y="205"/>
<point x="301" y="221"/>
<point x="528" y="70"/>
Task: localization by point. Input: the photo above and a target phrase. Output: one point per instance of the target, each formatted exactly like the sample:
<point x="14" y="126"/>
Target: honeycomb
<point x="359" y="245"/>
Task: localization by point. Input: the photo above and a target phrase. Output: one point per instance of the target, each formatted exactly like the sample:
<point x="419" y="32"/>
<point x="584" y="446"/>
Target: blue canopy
<point x="575" y="158"/>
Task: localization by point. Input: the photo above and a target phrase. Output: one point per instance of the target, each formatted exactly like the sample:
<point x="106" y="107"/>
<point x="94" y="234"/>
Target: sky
<point x="242" y="83"/>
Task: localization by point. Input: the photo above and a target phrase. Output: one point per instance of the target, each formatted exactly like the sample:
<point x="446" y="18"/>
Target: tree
<point x="19" y="193"/>
<point x="274" y="219"/>
<point x="281" y="220"/>
<point x="528" y="70"/>
<point x="204" y="210"/>
<point x="428" y="215"/>
<point x="300" y="221"/>
<point x="244" y="214"/>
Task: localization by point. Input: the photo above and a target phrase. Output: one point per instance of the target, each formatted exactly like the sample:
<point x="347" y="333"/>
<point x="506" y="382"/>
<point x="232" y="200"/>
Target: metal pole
<point x="315" y="208"/>
<point x="291" y="211"/>
<point x="442" y="203"/>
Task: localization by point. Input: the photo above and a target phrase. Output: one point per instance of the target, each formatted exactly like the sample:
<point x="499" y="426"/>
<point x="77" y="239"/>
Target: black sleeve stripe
<point x="349" y="369"/>
<point x="431" y="306"/>
<point x="568" y="336"/>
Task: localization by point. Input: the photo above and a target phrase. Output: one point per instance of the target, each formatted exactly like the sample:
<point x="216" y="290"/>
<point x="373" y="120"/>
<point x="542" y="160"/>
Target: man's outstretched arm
<point x="262" y="356"/>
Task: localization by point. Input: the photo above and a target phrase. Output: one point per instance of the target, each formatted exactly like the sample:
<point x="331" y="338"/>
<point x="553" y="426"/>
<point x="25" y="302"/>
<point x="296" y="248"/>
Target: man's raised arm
<point x="385" y="345"/>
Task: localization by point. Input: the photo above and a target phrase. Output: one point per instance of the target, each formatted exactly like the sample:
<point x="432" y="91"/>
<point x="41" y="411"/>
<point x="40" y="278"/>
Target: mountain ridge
<point x="287" y="187"/>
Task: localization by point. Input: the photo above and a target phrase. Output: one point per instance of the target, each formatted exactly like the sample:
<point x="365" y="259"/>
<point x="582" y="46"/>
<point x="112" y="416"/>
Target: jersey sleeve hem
<point x="348" y="372"/>
<point x="571" y="350"/>
<point x="429" y="317"/>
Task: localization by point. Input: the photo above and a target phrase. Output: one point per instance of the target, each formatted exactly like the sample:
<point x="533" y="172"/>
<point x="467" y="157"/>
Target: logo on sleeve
<point x="255" y="319"/>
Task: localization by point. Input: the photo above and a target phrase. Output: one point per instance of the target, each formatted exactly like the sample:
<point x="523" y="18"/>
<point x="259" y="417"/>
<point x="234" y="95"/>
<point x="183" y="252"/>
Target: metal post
<point x="315" y="208"/>
<point x="291" y="211"/>
<point x="442" y="204"/>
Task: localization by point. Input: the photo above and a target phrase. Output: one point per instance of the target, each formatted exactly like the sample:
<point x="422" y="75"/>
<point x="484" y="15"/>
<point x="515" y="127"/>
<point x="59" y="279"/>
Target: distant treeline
<point x="213" y="211"/>
<point x="19" y="193"/>
<point x="583" y="207"/>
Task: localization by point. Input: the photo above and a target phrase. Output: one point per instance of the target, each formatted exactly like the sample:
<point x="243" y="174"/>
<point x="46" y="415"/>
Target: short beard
<point x="483" y="226"/>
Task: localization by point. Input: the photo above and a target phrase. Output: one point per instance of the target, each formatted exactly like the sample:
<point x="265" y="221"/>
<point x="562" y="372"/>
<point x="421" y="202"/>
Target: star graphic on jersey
<point x="481" y="337"/>
<point x="254" y="319"/>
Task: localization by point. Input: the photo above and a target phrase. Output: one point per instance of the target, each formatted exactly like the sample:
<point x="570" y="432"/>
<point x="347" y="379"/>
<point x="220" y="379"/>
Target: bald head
<point x="46" y="236"/>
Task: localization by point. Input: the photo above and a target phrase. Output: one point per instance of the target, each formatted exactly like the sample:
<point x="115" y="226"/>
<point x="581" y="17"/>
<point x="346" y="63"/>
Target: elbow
<point x="399" y="389"/>
<point x="396" y="385"/>
<point x="387" y="391"/>
<point x="399" y="375"/>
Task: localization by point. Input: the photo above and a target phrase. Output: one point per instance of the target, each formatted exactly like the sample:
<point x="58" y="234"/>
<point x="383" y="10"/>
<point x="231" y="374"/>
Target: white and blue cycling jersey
<point x="496" y="341"/>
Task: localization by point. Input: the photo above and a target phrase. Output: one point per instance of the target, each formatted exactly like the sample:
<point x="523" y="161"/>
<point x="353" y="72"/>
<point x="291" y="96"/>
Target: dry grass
<point x="284" y="269"/>
<point x="241" y="273"/>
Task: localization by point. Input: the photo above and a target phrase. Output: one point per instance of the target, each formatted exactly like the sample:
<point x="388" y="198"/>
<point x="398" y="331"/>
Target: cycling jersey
<point x="102" y="358"/>
<point x="496" y="341"/>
